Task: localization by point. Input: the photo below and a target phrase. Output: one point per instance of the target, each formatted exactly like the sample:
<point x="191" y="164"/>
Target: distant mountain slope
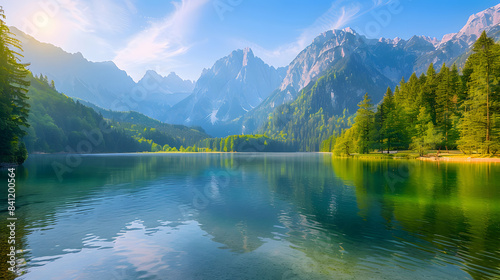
<point x="102" y="83"/>
<point x="391" y="59"/>
<point x="453" y="46"/>
<point x="59" y="124"/>
<point x="187" y="135"/>
<point x="240" y="91"/>
<point x="314" y="115"/>
<point x="385" y="60"/>
<point x="163" y="93"/>
<point x="168" y="85"/>
<point x="234" y="85"/>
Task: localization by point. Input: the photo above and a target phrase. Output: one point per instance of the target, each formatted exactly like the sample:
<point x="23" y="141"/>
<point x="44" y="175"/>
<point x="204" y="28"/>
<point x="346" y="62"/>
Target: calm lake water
<point x="256" y="216"/>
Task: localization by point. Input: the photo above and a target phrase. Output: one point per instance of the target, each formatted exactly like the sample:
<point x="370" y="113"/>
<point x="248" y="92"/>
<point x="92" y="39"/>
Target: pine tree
<point x="432" y="137"/>
<point x="389" y="126"/>
<point x="378" y="134"/>
<point x="428" y="93"/>
<point x="426" y="136"/>
<point x="13" y="99"/>
<point x="418" y="141"/>
<point x="407" y="99"/>
<point x="364" y="124"/>
<point x="479" y="127"/>
<point x="458" y="88"/>
<point x="444" y="107"/>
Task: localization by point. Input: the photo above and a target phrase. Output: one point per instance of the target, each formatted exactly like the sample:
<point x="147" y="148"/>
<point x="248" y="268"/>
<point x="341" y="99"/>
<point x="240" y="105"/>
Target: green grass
<point x="399" y="155"/>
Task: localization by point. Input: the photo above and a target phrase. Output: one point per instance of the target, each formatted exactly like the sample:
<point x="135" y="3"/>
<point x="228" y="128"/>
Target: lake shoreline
<point x="460" y="158"/>
<point x="446" y="158"/>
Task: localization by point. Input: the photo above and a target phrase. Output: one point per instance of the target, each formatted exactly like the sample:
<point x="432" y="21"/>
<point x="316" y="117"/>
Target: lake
<point x="255" y="216"/>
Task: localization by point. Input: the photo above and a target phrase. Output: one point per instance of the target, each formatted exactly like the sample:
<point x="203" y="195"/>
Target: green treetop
<point x="13" y="98"/>
<point x="364" y="124"/>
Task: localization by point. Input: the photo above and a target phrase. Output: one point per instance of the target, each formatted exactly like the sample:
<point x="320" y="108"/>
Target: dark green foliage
<point x="435" y="111"/>
<point x="428" y="92"/>
<point x="364" y="122"/>
<point x="425" y="135"/>
<point x="314" y="115"/>
<point x="243" y="143"/>
<point x="14" y="108"/>
<point x="480" y="125"/>
<point x="358" y="138"/>
<point x="447" y="93"/>
<point x="159" y="132"/>
<point x="59" y="124"/>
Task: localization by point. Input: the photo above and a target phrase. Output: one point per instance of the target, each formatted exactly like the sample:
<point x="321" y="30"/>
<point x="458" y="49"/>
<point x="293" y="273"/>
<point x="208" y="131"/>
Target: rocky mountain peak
<point x="247" y="55"/>
<point x="484" y="20"/>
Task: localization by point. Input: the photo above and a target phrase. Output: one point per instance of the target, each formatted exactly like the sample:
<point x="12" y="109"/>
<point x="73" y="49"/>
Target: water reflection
<point x="271" y="216"/>
<point x="450" y="211"/>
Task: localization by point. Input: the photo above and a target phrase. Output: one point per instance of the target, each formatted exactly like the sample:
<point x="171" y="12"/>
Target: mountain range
<point x="235" y="85"/>
<point x="384" y="59"/>
<point x="102" y="83"/>
<point x="240" y="91"/>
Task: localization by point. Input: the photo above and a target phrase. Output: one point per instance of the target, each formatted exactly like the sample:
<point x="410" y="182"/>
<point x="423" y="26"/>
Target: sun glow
<point x="45" y="23"/>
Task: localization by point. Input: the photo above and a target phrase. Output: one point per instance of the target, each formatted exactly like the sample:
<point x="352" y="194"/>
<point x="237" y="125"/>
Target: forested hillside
<point x="59" y="124"/>
<point x="438" y="110"/>
<point x="320" y="110"/>
<point x="243" y="143"/>
<point x="182" y="135"/>
<point x="441" y="111"/>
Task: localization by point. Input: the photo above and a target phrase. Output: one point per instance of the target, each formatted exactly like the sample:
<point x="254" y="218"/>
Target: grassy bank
<point x="451" y="156"/>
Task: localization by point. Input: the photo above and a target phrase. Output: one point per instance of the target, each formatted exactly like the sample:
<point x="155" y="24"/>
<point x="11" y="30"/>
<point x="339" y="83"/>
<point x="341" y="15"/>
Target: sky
<point x="186" y="36"/>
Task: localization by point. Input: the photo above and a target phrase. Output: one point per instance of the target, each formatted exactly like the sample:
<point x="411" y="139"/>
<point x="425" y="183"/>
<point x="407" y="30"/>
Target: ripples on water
<point x="266" y="216"/>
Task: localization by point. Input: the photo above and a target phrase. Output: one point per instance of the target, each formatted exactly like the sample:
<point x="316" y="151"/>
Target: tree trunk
<point x="487" y="103"/>
<point x="488" y="110"/>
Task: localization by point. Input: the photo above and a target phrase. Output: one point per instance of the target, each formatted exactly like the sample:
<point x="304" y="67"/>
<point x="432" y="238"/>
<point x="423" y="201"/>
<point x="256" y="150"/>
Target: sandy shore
<point x="460" y="159"/>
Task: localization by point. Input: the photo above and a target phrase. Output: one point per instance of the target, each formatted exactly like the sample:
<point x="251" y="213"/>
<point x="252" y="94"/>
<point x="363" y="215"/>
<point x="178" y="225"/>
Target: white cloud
<point x="109" y="29"/>
<point x="161" y="42"/>
<point x="74" y="25"/>
<point x="94" y="16"/>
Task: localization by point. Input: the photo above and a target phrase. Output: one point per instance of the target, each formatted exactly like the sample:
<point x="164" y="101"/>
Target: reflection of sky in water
<point x="226" y="217"/>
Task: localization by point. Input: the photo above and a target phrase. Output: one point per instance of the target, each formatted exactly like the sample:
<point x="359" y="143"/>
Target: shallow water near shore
<point x="256" y="216"/>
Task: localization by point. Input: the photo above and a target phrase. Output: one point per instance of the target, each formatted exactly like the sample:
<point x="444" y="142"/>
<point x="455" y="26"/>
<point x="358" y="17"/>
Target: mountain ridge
<point x="392" y="58"/>
<point x="100" y="83"/>
<point x="240" y="90"/>
<point x="169" y="84"/>
<point x="234" y="85"/>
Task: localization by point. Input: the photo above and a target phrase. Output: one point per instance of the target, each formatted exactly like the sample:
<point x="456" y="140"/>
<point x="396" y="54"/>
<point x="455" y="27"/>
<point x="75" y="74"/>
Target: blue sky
<point x="186" y="36"/>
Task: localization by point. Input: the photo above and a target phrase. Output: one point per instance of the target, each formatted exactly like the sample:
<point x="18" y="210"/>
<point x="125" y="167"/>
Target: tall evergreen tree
<point x="13" y="99"/>
<point x="391" y="121"/>
<point x="428" y="94"/>
<point x="364" y="124"/>
<point x="458" y="88"/>
<point x="378" y="132"/>
<point x="480" y="127"/>
<point x="444" y="104"/>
